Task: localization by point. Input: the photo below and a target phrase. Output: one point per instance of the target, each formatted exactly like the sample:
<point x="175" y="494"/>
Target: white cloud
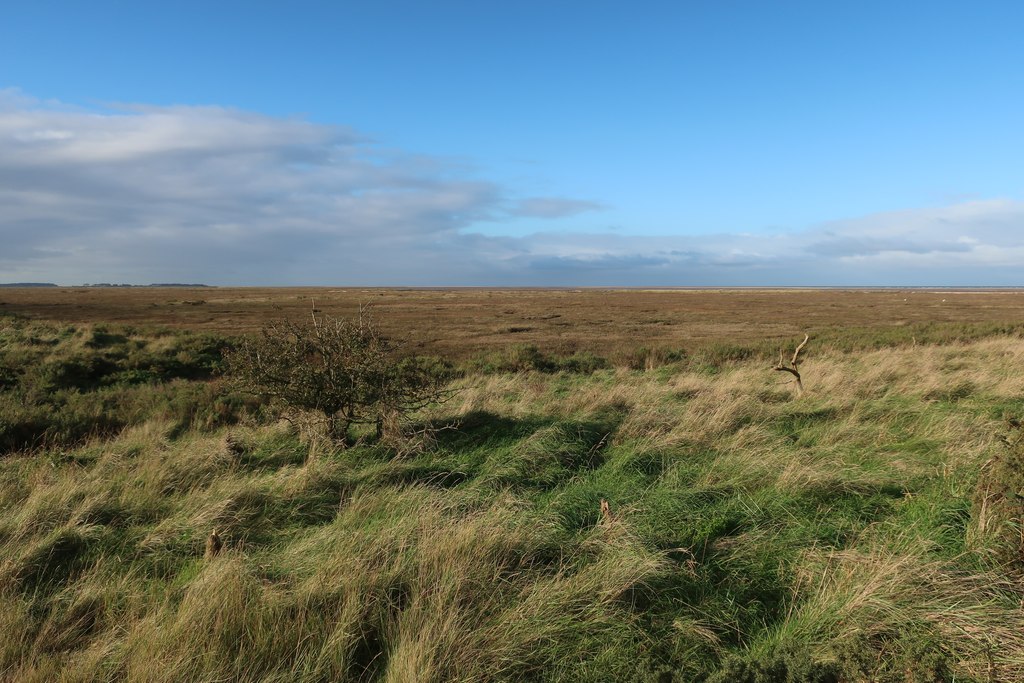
<point x="147" y="194"/>
<point x="157" y="193"/>
<point x="977" y="242"/>
<point x="36" y="135"/>
<point x="553" y="207"/>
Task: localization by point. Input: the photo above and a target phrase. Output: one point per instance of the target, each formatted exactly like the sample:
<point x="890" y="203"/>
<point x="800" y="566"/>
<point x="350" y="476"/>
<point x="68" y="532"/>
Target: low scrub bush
<point x="345" y="370"/>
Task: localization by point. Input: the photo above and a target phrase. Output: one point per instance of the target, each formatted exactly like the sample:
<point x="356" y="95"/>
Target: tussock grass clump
<point x="923" y="618"/>
<point x="53" y="559"/>
<point x="998" y="504"/>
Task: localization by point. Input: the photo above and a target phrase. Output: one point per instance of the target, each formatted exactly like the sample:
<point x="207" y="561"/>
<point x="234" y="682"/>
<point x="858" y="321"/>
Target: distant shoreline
<point x="100" y="285"/>
<point x="541" y="288"/>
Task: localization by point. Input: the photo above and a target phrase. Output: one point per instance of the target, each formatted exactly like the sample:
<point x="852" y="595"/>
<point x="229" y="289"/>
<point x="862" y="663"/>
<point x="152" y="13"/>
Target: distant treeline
<point x="100" y="284"/>
<point x="27" y="284"/>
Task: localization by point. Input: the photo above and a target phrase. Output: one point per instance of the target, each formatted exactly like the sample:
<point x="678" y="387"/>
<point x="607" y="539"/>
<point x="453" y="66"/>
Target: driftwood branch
<point x="214" y="544"/>
<point x="794" y="364"/>
<point x="606" y="512"/>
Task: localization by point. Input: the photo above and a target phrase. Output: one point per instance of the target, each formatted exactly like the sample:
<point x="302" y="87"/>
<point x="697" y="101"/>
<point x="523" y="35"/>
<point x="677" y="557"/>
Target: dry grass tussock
<point x="428" y="596"/>
<point x="873" y="592"/>
<point x="397" y="581"/>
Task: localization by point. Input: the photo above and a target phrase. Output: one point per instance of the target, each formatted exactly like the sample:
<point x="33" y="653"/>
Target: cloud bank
<point x="207" y="194"/>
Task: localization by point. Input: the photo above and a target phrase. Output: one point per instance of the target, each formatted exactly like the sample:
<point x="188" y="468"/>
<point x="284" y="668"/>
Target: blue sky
<point x="527" y="143"/>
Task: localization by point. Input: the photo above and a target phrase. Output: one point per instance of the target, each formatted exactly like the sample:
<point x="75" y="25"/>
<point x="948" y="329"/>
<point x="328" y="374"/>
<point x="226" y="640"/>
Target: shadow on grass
<point x="484" y="428"/>
<point x="535" y="452"/>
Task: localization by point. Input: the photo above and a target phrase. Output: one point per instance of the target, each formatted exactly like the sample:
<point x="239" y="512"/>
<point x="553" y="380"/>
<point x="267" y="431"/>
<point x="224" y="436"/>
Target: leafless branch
<point x="794" y="364"/>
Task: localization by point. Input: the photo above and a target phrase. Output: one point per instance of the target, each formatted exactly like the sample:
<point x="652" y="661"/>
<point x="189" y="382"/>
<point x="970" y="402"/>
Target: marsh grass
<point x="63" y="385"/>
<point x="867" y="530"/>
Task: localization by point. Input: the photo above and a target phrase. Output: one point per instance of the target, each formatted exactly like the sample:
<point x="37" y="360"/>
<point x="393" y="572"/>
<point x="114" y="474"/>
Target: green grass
<point x="61" y="386"/>
<point x="866" y="531"/>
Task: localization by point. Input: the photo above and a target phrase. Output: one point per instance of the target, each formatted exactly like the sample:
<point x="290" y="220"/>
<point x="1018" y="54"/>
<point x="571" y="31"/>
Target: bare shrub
<point x="794" y="365"/>
<point x="345" y="370"/>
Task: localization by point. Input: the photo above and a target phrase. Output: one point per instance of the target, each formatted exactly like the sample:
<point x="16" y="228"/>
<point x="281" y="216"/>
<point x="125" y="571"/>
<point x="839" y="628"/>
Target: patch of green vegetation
<point x="60" y="386"/>
<point x="675" y="525"/>
<point x="527" y="357"/>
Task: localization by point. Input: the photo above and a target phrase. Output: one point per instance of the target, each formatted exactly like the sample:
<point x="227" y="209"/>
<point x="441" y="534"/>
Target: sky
<point x="512" y="144"/>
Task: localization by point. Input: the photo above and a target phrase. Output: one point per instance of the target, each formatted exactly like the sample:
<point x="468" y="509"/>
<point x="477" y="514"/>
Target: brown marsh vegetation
<point x="463" y="322"/>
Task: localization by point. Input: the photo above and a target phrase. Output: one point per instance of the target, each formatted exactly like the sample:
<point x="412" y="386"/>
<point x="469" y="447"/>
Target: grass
<point x="62" y="385"/>
<point x="868" y="530"/>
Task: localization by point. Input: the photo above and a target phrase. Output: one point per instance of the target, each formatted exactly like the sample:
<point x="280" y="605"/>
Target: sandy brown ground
<point x="462" y="321"/>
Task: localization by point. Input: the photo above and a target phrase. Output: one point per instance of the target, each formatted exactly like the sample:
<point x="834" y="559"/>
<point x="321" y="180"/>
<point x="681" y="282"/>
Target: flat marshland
<point x="459" y="323"/>
<point x="868" y="529"/>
